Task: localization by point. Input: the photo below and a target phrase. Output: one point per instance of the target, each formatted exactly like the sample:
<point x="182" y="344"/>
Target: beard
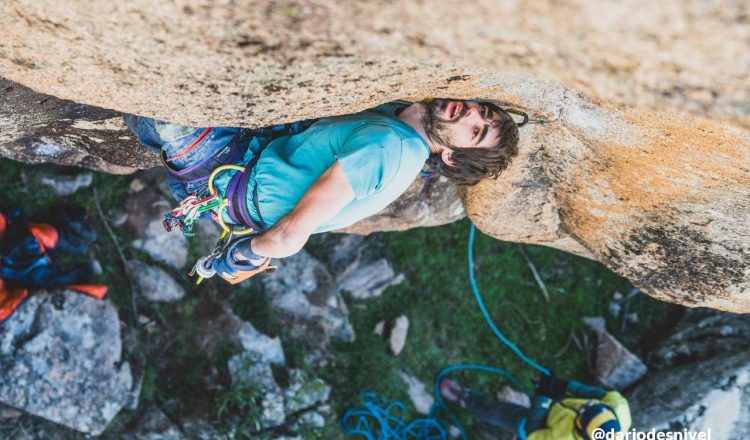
<point x="435" y="127"/>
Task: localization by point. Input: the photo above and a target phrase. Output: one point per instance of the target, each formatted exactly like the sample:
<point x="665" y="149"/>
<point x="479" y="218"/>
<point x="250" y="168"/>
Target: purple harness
<point x="236" y="194"/>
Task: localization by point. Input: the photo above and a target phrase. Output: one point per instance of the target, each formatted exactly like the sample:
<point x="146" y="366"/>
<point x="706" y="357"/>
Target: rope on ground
<point x="374" y="419"/>
<point x="487" y="317"/>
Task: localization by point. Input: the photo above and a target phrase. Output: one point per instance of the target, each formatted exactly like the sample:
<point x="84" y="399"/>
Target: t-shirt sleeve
<point x="370" y="159"/>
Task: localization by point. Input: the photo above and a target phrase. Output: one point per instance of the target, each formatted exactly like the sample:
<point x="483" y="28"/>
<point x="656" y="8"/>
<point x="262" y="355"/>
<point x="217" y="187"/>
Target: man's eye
<point x="484" y="111"/>
<point x="476" y="132"/>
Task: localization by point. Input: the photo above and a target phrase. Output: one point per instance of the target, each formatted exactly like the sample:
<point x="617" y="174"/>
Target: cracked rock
<point x="303" y="392"/>
<point x="60" y="355"/>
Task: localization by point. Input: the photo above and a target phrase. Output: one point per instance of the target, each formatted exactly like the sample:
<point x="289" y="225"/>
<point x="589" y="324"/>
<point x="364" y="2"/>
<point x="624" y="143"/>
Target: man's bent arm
<point x="323" y="200"/>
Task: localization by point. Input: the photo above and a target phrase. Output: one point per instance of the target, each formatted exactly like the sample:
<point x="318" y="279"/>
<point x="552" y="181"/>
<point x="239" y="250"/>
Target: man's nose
<point x="472" y="113"/>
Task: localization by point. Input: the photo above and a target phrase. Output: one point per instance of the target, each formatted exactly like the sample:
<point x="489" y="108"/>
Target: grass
<point x="446" y="326"/>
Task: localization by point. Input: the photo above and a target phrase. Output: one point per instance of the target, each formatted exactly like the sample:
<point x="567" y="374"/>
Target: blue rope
<point x="376" y="420"/>
<point x="483" y="308"/>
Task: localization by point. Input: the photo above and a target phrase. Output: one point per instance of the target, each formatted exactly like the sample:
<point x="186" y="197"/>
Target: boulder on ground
<point x="248" y="371"/>
<point x="146" y="211"/>
<point x="304" y="392"/>
<point x="154" y="283"/>
<point x="60" y="354"/>
<point x="399" y="332"/>
<point x="154" y="425"/>
<point x="369" y="280"/>
<point x="614" y="365"/>
<point x="303" y="289"/>
<point x="420" y="395"/>
<point x="356" y="270"/>
<point x="512" y="395"/>
<point x="65" y="184"/>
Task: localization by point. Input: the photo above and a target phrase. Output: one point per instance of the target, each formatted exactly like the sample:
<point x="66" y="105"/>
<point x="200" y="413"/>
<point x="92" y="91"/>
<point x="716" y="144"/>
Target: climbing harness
<point x="210" y="202"/>
<point x="187" y="213"/>
<point x="375" y="420"/>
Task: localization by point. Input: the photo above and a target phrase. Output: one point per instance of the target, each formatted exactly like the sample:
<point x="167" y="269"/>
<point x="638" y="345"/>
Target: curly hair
<point x="470" y="165"/>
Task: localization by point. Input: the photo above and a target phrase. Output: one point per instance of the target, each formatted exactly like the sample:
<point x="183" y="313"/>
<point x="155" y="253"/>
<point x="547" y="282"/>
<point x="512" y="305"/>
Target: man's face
<point x="462" y="124"/>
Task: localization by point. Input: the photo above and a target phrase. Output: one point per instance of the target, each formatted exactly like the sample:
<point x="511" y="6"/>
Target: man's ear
<point x="447" y="156"/>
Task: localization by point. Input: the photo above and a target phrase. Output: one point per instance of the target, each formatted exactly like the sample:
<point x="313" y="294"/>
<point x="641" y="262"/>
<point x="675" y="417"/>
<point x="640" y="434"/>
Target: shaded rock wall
<point x="37" y="128"/>
<point x="660" y="198"/>
<point x="703" y="378"/>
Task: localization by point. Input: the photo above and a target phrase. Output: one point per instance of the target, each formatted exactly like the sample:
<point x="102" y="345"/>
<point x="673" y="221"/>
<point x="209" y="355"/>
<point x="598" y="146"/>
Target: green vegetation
<point x="446" y="326"/>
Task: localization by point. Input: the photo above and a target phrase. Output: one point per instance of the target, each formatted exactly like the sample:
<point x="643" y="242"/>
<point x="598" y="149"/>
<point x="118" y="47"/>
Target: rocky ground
<point x="282" y="356"/>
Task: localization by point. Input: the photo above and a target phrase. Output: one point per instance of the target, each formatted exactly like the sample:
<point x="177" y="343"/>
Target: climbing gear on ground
<point x="377" y="420"/>
<point x="73" y="227"/>
<point x="374" y="419"/>
<point x="26" y="258"/>
<point x="596" y="417"/>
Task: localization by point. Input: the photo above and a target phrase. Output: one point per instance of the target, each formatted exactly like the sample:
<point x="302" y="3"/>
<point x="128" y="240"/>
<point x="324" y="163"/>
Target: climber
<point x="320" y="175"/>
<point x="560" y="410"/>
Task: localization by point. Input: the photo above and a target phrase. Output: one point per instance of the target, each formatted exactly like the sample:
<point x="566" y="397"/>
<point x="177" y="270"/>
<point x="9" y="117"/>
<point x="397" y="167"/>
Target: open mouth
<point x="454" y="109"/>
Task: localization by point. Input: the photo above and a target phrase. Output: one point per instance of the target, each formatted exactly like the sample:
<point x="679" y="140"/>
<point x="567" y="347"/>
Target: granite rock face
<point x="60" y="355"/>
<point x="701" y="378"/>
<point x="660" y="198"/>
<point x="327" y="58"/>
<point x="713" y="393"/>
<point x="37" y="128"/>
<point x="702" y="334"/>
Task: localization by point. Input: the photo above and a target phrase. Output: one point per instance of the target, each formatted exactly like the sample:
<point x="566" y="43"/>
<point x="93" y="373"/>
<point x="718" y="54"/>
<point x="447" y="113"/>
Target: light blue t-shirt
<point x="380" y="154"/>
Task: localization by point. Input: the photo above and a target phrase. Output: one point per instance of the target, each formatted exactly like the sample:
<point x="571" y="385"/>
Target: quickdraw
<point x="189" y="211"/>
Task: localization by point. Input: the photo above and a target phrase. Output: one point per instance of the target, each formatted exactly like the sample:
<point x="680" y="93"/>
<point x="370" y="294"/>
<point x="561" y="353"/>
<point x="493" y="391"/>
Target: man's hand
<point x="236" y="258"/>
<point x="322" y="201"/>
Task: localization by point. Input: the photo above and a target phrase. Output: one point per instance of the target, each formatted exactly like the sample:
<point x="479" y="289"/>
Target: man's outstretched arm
<point x="323" y="200"/>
